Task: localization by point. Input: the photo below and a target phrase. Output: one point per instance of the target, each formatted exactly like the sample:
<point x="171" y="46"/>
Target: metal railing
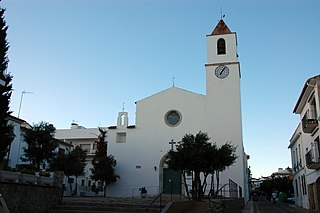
<point x="159" y="196"/>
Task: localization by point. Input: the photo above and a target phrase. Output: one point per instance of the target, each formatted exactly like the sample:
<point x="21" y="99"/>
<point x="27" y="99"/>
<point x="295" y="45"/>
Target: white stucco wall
<point x="16" y="149"/>
<point x="217" y="113"/>
<point x="231" y="48"/>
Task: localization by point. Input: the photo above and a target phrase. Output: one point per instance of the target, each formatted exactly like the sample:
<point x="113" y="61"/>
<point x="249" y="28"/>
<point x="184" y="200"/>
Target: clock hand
<point x="222" y="70"/>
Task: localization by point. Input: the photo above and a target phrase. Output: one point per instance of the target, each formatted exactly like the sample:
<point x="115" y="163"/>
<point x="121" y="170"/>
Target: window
<point x="122" y="117"/>
<point x="121" y="137"/>
<point x="304" y="186"/>
<point x="297" y="163"/>
<point x="61" y="151"/>
<point x="173" y="118"/>
<point x="85" y="147"/>
<point x="300" y="162"/>
<point x="94" y="146"/>
<point x="297" y="189"/>
<point x="313" y="109"/>
<point x="82" y="182"/>
<point x="294" y="160"/>
<point x="221" y="46"/>
<point x="317" y="143"/>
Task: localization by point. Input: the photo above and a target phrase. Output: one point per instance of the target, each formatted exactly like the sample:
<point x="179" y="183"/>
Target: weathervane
<point x="221" y="15"/>
<point x="123" y="107"/>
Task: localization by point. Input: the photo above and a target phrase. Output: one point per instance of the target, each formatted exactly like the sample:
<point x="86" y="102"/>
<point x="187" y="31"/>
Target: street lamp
<point x="22" y="93"/>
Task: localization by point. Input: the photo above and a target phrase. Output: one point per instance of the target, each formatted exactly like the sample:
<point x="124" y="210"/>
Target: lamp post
<point x="22" y="93"/>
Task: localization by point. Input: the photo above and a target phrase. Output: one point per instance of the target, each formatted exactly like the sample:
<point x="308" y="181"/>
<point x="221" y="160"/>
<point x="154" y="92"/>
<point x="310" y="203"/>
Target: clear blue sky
<point x="82" y="59"/>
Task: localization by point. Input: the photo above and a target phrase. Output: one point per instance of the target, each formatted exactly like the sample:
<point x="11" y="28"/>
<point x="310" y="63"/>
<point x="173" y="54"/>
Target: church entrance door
<point x="171" y="181"/>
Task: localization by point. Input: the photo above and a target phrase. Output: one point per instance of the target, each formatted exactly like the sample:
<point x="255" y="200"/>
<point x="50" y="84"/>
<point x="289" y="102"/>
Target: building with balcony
<point x="85" y="138"/>
<point x="305" y="147"/>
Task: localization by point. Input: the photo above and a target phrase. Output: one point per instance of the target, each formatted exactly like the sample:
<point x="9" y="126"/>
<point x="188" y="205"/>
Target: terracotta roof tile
<point x="221" y="28"/>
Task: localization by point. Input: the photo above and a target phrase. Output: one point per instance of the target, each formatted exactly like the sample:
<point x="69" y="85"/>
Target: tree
<point x="6" y="130"/>
<point x="103" y="165"/>
<point x="191" y="157"/>
<point x="281" y="184"/>
<point x="40" y="144"/>
<point x="197" y="155"/>
<point x="72" y="164"/>
<point x="225" y="157"/>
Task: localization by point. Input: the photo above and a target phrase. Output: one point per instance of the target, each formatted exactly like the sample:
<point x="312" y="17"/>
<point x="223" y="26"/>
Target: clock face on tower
<point x="222" y="71"/>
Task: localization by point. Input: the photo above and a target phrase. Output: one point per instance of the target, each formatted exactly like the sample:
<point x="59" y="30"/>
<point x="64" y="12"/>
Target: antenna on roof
<point x="172" y="81"/>
<point x="123" y="107"/>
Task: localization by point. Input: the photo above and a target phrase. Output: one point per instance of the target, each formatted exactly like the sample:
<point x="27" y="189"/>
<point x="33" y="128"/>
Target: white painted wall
<point x="231" y="49"/>
<point x="306" y="143"/>
<point x="217" y="113"/>
<point x="18" y="143"/>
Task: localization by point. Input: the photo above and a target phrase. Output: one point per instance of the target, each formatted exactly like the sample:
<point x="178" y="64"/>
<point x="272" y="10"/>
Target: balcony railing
<point x="309" y="125"/>
<point x="312" y="160"/>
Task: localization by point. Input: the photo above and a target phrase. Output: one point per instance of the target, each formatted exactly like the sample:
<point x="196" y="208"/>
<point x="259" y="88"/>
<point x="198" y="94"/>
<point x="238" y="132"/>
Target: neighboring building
<point x="282" y="173"/>
<point x="305" y="147"/>
<point x="85" y="138"/>
<point x="16" y="148"/>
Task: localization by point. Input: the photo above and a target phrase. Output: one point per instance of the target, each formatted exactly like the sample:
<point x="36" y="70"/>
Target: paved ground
<point x="265" y="206"/>
<point x="199" y="207"/>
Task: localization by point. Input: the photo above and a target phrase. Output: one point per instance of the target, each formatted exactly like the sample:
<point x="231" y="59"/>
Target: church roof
<point x="173" y="89"/>
<point x="221" y="28"/>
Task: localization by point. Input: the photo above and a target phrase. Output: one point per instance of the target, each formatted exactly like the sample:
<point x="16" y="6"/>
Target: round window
<point x="173" y="118"/>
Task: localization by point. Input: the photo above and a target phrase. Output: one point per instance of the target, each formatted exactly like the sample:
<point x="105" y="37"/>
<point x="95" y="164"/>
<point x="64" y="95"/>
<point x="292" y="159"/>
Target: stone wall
<point x="32" y="198"/>
<point x="27" y="198"/>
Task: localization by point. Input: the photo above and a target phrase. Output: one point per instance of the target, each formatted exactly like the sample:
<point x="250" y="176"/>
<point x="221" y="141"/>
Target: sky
<point x="81" y="60"/>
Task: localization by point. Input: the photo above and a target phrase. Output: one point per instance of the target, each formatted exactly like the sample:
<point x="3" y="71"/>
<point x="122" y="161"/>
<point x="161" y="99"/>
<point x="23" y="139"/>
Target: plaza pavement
<point x="264" y="206"/>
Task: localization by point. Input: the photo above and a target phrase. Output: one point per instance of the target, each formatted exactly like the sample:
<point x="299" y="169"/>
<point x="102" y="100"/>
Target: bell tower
<point x="222" y="68"/>
<point x="223" y="100"/>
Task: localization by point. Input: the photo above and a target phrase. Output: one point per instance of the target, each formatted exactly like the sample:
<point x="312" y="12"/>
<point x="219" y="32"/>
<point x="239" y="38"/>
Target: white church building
<point x="141" y="149"/>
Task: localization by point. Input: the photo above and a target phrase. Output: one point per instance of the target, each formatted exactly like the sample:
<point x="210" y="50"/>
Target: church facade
<point x="165" y="117"/>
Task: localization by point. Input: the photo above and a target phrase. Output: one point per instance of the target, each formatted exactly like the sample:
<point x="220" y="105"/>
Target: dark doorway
<point x="171" y="181"/>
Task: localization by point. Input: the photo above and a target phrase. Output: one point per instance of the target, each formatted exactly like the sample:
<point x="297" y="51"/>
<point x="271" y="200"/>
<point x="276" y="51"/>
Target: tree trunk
<point x="212" y="185"/>
<point x="70" y="185"/>
<point x="204" y="185"/>
<point x="76" y="186"/>
<point x="185" y="184"/>
<point x="217" y="177"/>
<point x="197" y="186"/>
<point x="104" y="189"/>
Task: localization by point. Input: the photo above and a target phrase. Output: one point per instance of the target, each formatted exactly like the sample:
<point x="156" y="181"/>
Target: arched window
<point x="122" y="117"/>
<point x="221" y="46"/>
